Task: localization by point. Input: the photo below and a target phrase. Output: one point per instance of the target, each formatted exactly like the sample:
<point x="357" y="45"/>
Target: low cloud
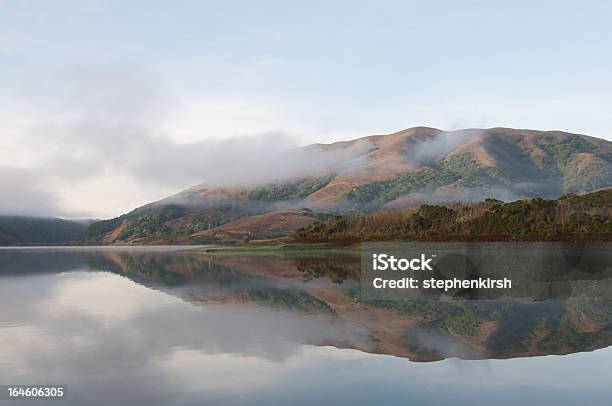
<point x="23" y="194"/>
<point x="104" y="123"/>
<point x="437" y="147"/>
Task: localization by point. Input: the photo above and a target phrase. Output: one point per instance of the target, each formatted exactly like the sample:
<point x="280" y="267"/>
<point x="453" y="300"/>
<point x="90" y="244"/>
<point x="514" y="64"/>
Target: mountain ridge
<point x="413" y="166"/>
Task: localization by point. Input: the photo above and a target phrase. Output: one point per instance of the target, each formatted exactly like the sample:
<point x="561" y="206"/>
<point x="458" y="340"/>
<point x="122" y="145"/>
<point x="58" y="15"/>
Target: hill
<point x="411" y="167"/>
<point x="16" y="230"/>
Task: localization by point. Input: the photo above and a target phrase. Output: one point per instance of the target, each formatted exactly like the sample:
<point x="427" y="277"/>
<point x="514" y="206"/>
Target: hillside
<point x="570" y="217"/>
<point x="15" y="230"/>
<point x="411" y="167"/>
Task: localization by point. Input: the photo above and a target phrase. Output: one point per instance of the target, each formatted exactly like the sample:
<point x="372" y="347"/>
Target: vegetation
<point x="568" y="217"/>
<point x="157" y="222"/>
<point x="152" y="224"/>
<point x="171" y="221"/>
<point x="461" y="167"/>
<point x="561" y="170"/>
<point x="562" y="150"/>
<point x="578" y="176"/>
<point x="98" y="229"/>
<point x="292" y="299"/>
<point x="206" y="220"/>
<point x="276" y="247"/>
<point x="296" y="189"/>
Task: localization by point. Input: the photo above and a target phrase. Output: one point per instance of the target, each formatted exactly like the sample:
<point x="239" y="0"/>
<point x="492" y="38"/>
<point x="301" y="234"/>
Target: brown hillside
<point x="411" y="167"/>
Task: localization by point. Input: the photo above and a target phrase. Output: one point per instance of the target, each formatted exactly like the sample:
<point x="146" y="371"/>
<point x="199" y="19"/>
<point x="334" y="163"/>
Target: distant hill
<point x="411" y="167"/>
<point x="17" y="230"/>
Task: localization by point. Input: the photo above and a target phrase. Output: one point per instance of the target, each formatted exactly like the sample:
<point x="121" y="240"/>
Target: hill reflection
<point x="547" y="312"/>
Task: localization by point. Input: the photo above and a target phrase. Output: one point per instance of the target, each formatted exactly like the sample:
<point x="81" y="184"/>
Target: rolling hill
<point x="17" y="230"/>
<point x="411" y="167"/>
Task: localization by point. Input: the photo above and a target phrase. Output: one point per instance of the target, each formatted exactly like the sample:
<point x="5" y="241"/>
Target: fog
<point x="93" y="135"/>
<point x="94" y="142"/>
<point x="23" y="193"/>
<point x="441" y="144"/>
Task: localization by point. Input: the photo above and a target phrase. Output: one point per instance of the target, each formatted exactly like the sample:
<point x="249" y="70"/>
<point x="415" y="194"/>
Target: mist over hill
<point x="411" y="167"/>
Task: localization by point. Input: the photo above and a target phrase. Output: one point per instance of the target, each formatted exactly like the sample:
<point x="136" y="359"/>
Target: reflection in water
<point x="183" y="328"/>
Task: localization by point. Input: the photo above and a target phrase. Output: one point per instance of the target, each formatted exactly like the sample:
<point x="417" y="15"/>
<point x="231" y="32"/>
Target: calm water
<point x="161" y="326"/>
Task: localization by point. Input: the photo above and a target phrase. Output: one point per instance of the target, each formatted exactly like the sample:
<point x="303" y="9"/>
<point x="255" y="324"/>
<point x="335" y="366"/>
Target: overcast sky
<point x="107" y="105"/>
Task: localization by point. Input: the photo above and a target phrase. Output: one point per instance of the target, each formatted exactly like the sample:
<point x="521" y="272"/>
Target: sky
<point x="108" y="105"/>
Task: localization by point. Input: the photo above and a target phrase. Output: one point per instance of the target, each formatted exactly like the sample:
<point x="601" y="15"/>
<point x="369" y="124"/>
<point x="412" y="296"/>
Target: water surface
<point x="165" y="326"/>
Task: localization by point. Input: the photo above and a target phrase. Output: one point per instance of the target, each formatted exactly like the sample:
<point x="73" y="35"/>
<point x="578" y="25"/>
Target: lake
<point x="163" y="326"/>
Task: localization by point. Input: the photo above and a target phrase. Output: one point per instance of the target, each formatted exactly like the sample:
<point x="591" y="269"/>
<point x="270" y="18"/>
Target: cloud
<point x="107" y="126"/>
<point x="440" y="145"/>
<point x="109" y="122"/>
<point x="23" y="194"/>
